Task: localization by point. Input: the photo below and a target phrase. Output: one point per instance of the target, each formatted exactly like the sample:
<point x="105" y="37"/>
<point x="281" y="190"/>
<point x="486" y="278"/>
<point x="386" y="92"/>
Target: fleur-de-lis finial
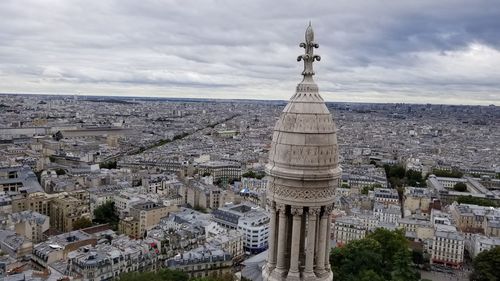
<point x="309" y="57"/>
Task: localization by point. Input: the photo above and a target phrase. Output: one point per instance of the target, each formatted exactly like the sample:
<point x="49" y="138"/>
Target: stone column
<point x="293" y="273"/>
<point x="280" y="263"/>
<point x="320" y="261"/>
<point x="272" y="237"/>
<point x="328" y="210"/>
<point x="312" y="217"/>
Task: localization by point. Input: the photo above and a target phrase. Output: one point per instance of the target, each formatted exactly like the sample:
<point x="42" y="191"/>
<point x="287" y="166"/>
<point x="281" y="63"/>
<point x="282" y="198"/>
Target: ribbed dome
<point x="304" y="145"/>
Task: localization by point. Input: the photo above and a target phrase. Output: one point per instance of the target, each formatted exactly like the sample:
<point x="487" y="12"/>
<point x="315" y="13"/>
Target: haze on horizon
<point x="445" y="52"/>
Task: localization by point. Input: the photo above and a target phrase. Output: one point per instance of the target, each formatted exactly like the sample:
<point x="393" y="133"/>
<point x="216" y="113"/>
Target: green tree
<point x="391" y="242"/>
<point x="370" y="275"/>
<point x="345" y="185"/>
<point x="82" y="222"/>
<point x="60" y="171"/>
<point x="356" y="257"/>
<point x="460" y="186"/>
<point x="402" y="270"/>
<point x="382" y="255"/>
<point x="486" y="265"/>
<point x="476" y="201"/>
<point x="447" y="174"/>
<point x="108" y="165"/>
<point x="106" y="213"/>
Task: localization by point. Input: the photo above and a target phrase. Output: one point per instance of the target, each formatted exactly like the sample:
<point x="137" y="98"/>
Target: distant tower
<point x="303" y="173"/>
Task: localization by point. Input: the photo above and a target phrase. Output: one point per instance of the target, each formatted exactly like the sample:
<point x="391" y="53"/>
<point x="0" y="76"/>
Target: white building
<point x="348" y="229"/>
<point x="448" y="249"/>
<point x="250" y="220"/>
<point x="480" y="243"/>
<point x="387" y="213"/>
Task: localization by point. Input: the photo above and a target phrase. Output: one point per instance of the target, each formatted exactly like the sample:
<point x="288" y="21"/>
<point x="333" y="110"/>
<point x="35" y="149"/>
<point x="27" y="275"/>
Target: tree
<point x="402" y="270"/>
<point x="486" y="265"/>
<point x="447" y="174"/>
<point x="356" y="257"/>
<point x="382" y="255"/>
<point x="170" y="275"/>
<point x="106" y="213"/>
<point x="460" y="186"/>
<point x="476" y="201"/>
<point x="345" y="185"/>
<point x="108" y="165"/>
<point x="82" y="222"/>
<point x="391" y="242"/>
<point x="58" y="136"/>
<point x="60" y="171"/>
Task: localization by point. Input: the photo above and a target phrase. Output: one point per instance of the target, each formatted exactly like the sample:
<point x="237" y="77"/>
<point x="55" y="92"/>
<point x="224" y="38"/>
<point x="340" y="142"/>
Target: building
<point x="14" y="244"/>
<point x="448" y="249"/>
<point x="108" y="261"/>
<point x="416" y="200"/>
<point x="20" y="180"/>
<point x="31" y="225"/>
<point x="480" y="243"/>
<point x="476" y="219"/>
<point x="387" y="213"/>
<point x="57" y="247"/>
<point x="347" y="229"/>
<point x="64" y="211"/>
<point x="221" y="170"/>
<point x="143" y="217"/>
<point x="250" y="220"/>
<point x="204" y="261"/>
<point x="385" y="195"/>
<point x="303" y="173"/>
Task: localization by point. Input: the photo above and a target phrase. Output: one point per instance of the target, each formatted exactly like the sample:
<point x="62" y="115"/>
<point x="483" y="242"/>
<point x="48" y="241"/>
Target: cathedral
<point x="303" y="173"/>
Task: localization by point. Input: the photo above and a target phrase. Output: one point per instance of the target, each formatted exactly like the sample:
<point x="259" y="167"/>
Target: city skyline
<point x="423" y="52"/>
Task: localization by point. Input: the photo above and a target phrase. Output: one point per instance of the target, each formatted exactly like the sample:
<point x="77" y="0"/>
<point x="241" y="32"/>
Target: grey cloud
<point x="372" y="50"/>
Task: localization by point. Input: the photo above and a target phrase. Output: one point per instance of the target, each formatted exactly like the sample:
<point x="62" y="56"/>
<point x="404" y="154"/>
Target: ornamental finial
<point x="309" y="57"/>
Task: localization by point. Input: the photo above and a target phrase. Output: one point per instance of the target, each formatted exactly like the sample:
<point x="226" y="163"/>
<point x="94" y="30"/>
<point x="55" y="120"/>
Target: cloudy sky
<point x="372" y="51"/>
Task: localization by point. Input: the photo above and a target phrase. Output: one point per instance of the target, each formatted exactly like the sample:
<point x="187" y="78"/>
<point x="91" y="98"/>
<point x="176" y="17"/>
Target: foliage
<point x="382" y="255"/>
<point x="398" y="176"/>
<point x="460" y="186"/>
<point x="367" y="188"/>
<point x="252" y="174"/>
<point x="161" y="275"/>
<point x="402" y="270"/>
<point x="414" y="178"/>
<point x="60" y="171"/>
<point x="58" y="136"/>
<point x="200" y="209"/>
<point x="106" y="213"/>
<point x="486" y="265"/>
<point x="447" y="174"/>
<point x="476" y="201"/>
<point x="180" y="136"/>
<point x="108" y="165"/>
<point x="345" y="185"/>
<point x="394" y="171"/>
<point x="170" y="275"/>
<point x="82" y="222"/>
<point x="417" y="257"/>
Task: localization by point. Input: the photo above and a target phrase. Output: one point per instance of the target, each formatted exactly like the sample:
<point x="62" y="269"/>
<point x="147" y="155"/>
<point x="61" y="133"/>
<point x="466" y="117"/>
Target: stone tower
<point x="303" y="173"/>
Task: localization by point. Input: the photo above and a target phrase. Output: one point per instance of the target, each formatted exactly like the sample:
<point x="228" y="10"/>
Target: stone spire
<point x="309" y="57"/>
<point x="303" y="173"/>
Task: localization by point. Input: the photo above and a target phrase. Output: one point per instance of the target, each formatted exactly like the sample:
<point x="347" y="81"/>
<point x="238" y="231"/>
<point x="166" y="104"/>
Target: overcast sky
<point x="425" y="51"/>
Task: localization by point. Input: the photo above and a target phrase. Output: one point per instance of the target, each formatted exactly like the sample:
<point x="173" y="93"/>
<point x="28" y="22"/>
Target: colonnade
<point x="305" y="254"/>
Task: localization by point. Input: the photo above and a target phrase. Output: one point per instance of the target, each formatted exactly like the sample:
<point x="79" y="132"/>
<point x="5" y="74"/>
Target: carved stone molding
<point x="314" y="211"/>
<point x="281" y="208"/>
<point x="301" y="194"/>
<point x="297" y="211"/>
